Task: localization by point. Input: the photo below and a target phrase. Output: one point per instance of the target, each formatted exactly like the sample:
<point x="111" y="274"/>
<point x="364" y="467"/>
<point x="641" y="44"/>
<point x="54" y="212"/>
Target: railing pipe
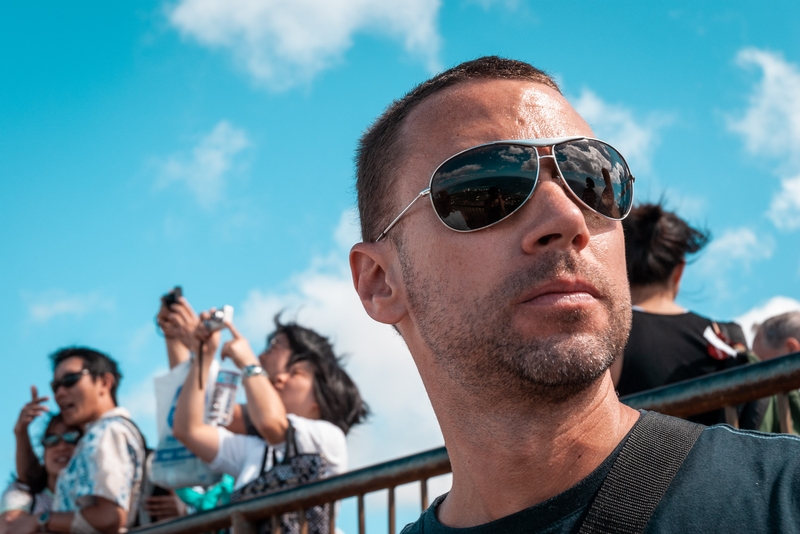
<point x="394" y="473"/>
<point x="711" y="392"/>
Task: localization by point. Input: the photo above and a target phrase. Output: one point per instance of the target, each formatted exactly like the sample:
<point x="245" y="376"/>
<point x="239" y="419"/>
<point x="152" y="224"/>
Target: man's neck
<point x="102" y="409"/>
<point x="512" y="457"/>
<point x="656" y="299"/>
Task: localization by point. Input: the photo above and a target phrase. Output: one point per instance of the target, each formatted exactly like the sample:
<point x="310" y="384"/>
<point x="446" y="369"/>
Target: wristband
<point x="41" y="521"/>
<point x="253" y="370"/>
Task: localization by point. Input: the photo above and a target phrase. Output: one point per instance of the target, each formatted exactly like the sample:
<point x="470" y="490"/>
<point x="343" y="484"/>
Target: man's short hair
<point x="95" y="361"/>
<point x="776" y="330"/>
<point x="380" y="149"/>
<point x="336" y="394"/>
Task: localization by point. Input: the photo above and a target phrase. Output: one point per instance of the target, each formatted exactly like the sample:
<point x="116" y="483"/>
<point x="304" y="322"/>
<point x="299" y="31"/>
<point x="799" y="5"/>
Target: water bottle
<point x="220" y="411"/>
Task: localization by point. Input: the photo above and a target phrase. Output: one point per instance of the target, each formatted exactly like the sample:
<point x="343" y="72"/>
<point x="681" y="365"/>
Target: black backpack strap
<point x="641" y="474"/>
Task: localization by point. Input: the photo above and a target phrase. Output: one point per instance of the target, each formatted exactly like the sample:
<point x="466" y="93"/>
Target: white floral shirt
<point x="106" y="463"/>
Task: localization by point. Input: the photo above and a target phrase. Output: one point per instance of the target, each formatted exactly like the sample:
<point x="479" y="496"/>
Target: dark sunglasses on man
<point x="483" y="185"/>
<point x="68" y="380"/>
<point x="70" y="438"/>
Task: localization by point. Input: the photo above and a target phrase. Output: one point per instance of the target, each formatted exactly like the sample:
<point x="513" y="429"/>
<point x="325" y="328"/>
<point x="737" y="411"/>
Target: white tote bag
<point x="175" y="466"/>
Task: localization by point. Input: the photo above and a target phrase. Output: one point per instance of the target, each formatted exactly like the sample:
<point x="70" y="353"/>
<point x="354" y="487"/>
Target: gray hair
<point x="776" y="330"/>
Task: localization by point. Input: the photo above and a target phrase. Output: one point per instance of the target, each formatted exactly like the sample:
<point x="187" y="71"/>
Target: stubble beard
<point x="473" y="338"/>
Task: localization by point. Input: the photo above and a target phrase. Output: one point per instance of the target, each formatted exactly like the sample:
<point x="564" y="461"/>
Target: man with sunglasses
<point x="513" y="312"/>
<point x="99" y="490"/>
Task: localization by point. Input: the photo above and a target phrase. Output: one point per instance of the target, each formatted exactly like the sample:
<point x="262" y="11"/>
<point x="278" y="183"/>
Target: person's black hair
<point x="36" y="478"/>
<point x="96" y="362"/>
<point x="656" y="242"/>
<point x="336" y="394"/>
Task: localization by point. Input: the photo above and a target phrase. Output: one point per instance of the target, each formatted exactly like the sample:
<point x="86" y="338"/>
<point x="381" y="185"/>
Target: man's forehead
<point x="70" y="365"/>
<point x="481" y="111"/>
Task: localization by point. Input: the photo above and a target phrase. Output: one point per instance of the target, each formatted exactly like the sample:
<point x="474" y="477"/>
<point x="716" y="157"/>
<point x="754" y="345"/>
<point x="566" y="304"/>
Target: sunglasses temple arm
<point x="423" y="193"/>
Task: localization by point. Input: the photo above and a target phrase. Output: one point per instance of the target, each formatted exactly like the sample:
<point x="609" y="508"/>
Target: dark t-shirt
<point x="731" y="481"/>
<point x="664" y="349"/>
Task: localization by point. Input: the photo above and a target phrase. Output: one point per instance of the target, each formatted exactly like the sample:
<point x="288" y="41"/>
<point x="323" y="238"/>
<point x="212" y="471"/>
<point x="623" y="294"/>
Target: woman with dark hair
<point x="299" y="401"/>
<point x="32" y="493"/>
<point x="669" y="343"/>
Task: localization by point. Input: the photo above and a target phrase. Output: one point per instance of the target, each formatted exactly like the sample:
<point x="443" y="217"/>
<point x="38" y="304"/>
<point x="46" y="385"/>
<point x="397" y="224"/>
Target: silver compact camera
<point x="219" y="318"/>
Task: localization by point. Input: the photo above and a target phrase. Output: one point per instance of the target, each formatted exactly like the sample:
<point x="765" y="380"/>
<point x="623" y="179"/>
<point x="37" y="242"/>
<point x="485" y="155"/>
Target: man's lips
<point x="562" y="292"/>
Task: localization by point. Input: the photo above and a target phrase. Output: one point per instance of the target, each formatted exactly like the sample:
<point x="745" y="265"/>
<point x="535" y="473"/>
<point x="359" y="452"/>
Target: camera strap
<point x="653" y="453"/>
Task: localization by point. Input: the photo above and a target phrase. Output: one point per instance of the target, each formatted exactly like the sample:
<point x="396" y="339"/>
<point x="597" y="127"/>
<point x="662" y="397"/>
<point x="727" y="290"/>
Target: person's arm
<point x="264" y="405"/>
<point x="189" y="427"/>
<point x="103" y="516"/>
<point x="7" y="518"/>
<point x="174" y="321"/>
<point x="28" y="466"/>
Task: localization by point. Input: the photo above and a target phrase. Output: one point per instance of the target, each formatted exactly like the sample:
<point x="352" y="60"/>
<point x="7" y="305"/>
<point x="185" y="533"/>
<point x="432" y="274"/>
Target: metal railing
<point x="710" y="392"/>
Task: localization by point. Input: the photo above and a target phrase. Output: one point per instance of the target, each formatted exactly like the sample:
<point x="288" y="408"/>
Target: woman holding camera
<point x="295" y="389"/>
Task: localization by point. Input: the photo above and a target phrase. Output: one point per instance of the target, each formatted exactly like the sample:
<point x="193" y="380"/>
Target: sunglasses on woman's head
<point x="483" y="185"/>
<point x="68" y="380"/>
<point x="70" y="438"/>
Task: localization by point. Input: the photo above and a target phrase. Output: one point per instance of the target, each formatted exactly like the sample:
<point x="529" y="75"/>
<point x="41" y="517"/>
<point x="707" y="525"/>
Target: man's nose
<point x="553" y="216"/>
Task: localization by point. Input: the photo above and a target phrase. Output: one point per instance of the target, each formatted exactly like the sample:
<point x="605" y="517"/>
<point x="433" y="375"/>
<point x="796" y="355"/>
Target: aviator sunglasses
<point x="70" y="438"/>
<point x="68" y="380"/>
<point x="483" y="185"/>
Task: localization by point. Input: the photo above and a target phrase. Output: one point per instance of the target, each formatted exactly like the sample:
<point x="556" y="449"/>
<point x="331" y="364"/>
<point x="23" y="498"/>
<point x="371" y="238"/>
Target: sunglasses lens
<point x="51" y="440"/>
<point x="483" y="185"/>
<point x="597" y="174"/>
<point x="71" y="438"/>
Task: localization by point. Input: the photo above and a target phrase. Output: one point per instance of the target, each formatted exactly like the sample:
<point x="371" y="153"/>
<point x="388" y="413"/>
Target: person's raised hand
<point x="238" y="349"/>
<point x="164" y="506"/>
<point x="179" y="321"/>
<point x="30" y="411"/>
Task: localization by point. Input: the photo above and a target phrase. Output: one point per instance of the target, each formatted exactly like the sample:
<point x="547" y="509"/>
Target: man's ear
<point x="377" y="281"/>
<point x="108" y="381"/>
<point x="792" y="345"/>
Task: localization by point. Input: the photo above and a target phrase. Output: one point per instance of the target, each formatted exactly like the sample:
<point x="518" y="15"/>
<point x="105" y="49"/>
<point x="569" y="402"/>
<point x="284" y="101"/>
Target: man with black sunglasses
<point x="99" y="490"/>
<point x="514" y="315"/>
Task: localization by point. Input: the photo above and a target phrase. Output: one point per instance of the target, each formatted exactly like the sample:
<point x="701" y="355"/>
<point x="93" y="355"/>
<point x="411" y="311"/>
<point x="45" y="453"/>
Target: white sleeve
<point x="16" y="497"/>
<point x="232" y="452"/>
<point x="327" y="439"/>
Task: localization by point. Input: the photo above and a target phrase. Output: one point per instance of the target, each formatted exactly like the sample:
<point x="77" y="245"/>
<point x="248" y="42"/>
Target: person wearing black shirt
<point x="668" y="343"/>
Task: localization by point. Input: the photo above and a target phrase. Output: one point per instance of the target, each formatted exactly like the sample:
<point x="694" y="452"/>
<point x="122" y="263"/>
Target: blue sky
<point x="209" y="143"/>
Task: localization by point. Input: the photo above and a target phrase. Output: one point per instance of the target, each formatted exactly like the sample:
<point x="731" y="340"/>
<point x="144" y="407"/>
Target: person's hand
<point x="24" y="524"/>
<point x="164" y="506"/>
<point x="29" y="412"/>
<point x="210" y="340"/>
<point x="238" y="349"/>
<point x="180" y="321"/>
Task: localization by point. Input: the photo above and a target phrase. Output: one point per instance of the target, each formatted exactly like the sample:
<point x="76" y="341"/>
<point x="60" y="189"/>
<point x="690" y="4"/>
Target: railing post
<point x="362" y="523"/>
<point x="391" y="511"/>
<point x="732" y="416"/>
<point x="424" y="493"/>
<point x="302" y="521"/>
<point x="332" y="517"/>
<point x="242" y="525"/>
<point x="784" y="414"/>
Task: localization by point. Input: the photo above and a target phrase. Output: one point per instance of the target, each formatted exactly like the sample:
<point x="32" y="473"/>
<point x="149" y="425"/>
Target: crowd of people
<point x="93" y="477"/>
<point x="524" y="376"/>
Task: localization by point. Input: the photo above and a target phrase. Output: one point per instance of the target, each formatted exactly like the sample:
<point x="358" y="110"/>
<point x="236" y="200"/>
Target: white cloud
<point x="736" y="247"/>
<point x="771" y="123"/>
<point x="51" y="304"/>
<point x="205" y="169"/>
<point x="635" y="138"/>
<point x="285" y="42"/>
<point x="784" y="211"/>
<point x="323" y="298"/>
<point x="759" y="314"/>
